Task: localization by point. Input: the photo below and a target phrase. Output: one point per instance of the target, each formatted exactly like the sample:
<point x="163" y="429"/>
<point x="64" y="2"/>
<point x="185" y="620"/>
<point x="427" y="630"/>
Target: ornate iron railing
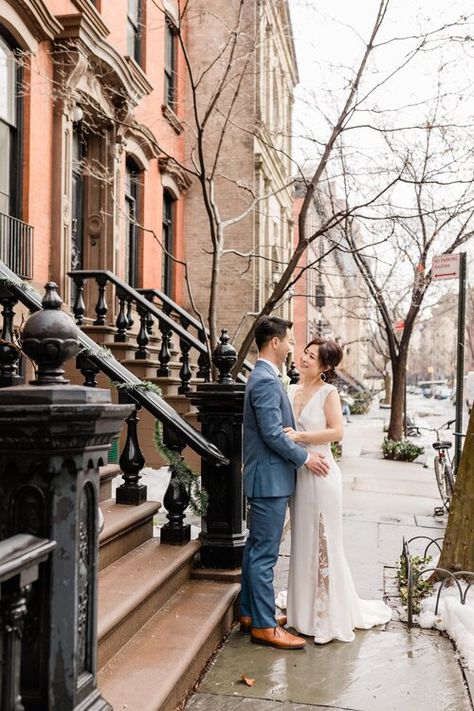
<point x="110" y="366"/>
<point x="462" y="579"/>
<point x="172" y="320"/>
<point x="16" y="245"/>
<point x="188" y="321"/>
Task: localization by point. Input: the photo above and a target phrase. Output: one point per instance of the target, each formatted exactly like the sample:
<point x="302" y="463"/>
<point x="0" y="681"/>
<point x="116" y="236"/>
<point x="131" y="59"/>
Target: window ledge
<point x="171" y="117"/>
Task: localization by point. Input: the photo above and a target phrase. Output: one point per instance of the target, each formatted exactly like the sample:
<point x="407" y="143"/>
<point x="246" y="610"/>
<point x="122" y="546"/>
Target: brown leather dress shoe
<point x="277" y="637"/>
<point x="246" y="622"/>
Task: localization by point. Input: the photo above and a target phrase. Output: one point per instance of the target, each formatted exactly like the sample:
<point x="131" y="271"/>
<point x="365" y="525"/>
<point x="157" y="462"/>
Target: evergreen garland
<point x="100" y="351"/>
<point x="130" y="388"/>
<point x="198" y="497"/>
<point x="20" y="283"/>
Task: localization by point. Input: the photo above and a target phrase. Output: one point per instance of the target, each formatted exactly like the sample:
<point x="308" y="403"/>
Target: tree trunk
<point x="458" y="546"/>
<point x="395" y="428"/>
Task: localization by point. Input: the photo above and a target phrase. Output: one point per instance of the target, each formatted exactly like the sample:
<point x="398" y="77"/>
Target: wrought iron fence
<point x="462" y="579"/>
<point x="16" y="245"/>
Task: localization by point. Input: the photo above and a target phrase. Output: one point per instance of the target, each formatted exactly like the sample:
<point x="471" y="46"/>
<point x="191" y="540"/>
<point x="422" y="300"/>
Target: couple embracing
<point x="287" y="458"/>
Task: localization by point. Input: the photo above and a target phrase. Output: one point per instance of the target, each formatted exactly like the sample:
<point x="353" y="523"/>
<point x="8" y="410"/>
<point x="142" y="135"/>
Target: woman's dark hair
<point x="268" y="327"/>
<point x="329" y="354"/>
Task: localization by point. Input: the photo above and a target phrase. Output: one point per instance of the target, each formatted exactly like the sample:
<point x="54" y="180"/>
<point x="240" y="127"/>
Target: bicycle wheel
<point x="448" y="481"/>
<point x="440" y="469"/>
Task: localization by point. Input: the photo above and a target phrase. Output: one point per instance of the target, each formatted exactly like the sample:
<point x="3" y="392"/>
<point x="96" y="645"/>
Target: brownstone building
<point x="89" y="106"/>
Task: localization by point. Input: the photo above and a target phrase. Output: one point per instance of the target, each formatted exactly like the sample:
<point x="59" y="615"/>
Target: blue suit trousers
<point x="265" y="524"/>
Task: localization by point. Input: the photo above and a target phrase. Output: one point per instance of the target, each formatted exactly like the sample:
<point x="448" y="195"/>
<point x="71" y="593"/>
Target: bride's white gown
<point x="321" y="600"/>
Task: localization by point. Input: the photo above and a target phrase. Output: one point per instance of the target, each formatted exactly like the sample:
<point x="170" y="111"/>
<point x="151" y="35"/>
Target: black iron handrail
<point x="111" y="367"/>
<point x="136" y="296"/>
<point x="186" y="317"/>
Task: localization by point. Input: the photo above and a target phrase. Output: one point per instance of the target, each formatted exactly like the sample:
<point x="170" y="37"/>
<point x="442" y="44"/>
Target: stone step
<point x="158" y="668"/>
<point x="107" y="473"/>
<point x="135" y="587"/>
<point x="125" y="528"/>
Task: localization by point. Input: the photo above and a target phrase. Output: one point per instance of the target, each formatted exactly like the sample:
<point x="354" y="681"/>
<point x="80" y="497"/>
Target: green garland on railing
<point x="143" y="385"/>
<point x="20" y="283"/>
<point x="101" y="351"/>
<point x="198" y="497"/>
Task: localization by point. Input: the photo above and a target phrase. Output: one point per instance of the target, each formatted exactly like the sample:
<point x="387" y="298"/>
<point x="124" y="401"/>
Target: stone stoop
<point x="157" y="626"/>
<point x="107" y="474"/>
<point x="132" y="589"/>
<point x="159" y="666"/>
<point x="125" y="528"/>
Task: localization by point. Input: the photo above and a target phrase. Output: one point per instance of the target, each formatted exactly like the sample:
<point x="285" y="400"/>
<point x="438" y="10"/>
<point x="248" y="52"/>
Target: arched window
<point x="169" y="226"/>
<point x="10" y="118"/>
<point x="133" y="184"/>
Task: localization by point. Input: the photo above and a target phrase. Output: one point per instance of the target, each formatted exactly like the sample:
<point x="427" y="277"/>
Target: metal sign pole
<point x="460" y="354"/>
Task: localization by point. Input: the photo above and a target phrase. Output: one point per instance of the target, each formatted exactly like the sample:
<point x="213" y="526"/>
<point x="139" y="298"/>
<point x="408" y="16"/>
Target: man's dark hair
<point x="268" y="327"/>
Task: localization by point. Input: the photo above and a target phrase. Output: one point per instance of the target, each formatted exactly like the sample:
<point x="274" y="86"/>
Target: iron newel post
<point x="53" y="438"/>
<point x="220" y="408"/>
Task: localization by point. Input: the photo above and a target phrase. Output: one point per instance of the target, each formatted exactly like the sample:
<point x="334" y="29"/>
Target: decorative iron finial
<point x="50" y="338"/>
<point x="224" y="358"/>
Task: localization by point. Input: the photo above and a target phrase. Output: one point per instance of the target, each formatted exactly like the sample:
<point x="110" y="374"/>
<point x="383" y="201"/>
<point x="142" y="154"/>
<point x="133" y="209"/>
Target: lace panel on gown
<point x="321" y="598"/>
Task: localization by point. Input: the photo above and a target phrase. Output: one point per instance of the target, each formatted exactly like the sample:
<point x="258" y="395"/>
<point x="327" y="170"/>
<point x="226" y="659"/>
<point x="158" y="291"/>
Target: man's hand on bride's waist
<point x="317" y="464"/>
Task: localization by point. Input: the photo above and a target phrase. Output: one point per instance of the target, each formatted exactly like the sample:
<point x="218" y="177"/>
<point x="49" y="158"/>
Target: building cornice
<point x="39" y="20"/>
<point x="93" y="16"/>
<point x="168" y="165"/>
<point x="123" y="71"/>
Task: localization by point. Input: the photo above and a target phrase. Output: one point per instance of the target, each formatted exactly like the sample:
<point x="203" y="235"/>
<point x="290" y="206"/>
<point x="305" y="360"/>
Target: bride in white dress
<point x="321" y="600"/>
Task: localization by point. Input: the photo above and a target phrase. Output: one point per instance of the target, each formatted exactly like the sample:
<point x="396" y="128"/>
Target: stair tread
<point x="109" y="471"/>
<point x="142" y="675"/>
<point x="124" y="584"/>
<point x="120" y="516"/>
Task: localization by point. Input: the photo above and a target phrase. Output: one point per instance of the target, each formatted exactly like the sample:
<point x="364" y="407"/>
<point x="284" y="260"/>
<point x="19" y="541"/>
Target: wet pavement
<point x="383" y="669"/>
<point x="380" y="670"/>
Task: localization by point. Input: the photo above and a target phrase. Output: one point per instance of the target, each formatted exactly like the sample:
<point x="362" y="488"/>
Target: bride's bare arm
<point x="334" y="430"/>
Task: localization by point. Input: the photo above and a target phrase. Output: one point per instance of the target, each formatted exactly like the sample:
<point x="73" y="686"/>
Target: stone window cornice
<point x="35" y="14"/>
<point x="123" y="72"/>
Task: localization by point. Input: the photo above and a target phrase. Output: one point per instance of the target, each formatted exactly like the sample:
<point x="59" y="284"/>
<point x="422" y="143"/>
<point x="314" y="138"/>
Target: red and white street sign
<point x="446" y="266"/>
<point x="399" y="325"/>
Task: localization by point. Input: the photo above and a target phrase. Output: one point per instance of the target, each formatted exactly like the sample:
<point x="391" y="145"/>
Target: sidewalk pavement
<point x="384" y="669"/>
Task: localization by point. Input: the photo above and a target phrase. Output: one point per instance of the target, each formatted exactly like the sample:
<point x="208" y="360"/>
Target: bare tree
<point x="337" y="158"/>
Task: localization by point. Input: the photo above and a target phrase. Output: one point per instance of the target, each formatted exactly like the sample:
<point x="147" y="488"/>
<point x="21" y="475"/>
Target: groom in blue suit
<point x="270" y="463"/>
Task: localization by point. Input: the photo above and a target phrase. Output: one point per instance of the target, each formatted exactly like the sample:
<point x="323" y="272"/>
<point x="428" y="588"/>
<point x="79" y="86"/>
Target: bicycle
<point x="444" y="466"/>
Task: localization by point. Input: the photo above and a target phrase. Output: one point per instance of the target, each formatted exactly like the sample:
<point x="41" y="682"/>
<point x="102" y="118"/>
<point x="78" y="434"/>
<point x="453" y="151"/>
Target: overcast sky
<point x="329" y="38"/>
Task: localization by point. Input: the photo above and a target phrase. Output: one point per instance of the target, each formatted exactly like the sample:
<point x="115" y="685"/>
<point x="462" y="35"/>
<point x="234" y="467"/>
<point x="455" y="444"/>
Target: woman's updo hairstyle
<point x="330" y="355"/>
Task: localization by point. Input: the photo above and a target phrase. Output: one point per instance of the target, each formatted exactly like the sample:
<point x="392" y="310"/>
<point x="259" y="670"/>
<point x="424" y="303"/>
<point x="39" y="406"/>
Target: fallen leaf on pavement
<point x="247" y="681"/>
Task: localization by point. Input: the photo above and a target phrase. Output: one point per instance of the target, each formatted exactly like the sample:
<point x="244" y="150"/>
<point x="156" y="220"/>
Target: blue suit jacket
<point x="270" y="457"/>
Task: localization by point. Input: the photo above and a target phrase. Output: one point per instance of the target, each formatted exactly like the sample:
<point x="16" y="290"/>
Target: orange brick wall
<point x="38" y="180"/>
